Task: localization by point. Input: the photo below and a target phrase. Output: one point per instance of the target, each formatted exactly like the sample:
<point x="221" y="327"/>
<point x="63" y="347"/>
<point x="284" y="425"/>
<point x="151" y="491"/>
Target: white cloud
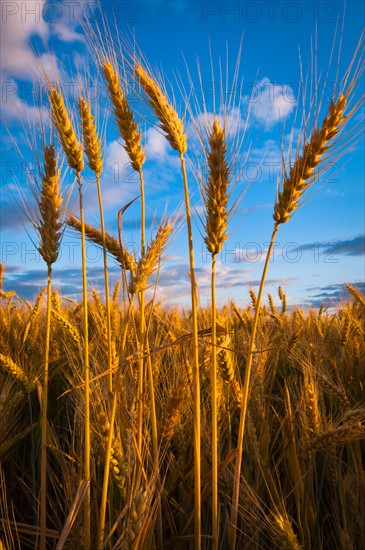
<point x="271" y="103"/>
<point x="20" y="21"/>
<point x="233" y="121"/>
<point x="66" y="20"/>
<point x="16" y="109"/>
<point x="157" y="146"/>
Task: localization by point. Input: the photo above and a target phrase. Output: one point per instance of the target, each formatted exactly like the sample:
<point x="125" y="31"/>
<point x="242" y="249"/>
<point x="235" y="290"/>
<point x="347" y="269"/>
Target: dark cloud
<point x="330" y="295"/>
<point x="28" y="283"/>
<point x="346" y="247"/>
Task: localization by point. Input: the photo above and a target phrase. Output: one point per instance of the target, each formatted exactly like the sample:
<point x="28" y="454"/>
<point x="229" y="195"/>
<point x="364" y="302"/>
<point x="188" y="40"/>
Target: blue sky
<point x="318" y="251"/>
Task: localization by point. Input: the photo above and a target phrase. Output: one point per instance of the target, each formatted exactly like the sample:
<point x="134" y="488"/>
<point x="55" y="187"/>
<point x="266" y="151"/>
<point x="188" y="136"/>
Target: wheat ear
<point x="166" y="114"/>
<point x="91" y="142"/>
<point x="149" y="263"/>
<point x="356" y="294"/>
<point x="216" y="194"/>
<point x="128" y="128"/>
<point x="302" y="171"/>
<point x="34" y="313"/>
<point x="50" y="208"/>
<point x="16" y="372"/>
<point x="70" y="144"/>
<point x="124" y="257"/>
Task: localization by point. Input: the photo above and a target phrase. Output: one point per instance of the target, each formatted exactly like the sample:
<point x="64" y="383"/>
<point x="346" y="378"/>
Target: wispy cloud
<point x="271" y="103"/>
<point x="331" y="295"/>
<point x="354" y="246"/>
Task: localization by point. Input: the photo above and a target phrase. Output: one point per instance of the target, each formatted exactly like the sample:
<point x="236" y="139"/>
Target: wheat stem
<point x="108" y="451"/>
<point x="141" y="335"/>
<point x="43" y="540"/>
<point x="196" y="379"/>
<point x="106" y="283"/>
<point x="244" y="399"/>
<point x="214" y="397"/>
<point x="86" y="369"/>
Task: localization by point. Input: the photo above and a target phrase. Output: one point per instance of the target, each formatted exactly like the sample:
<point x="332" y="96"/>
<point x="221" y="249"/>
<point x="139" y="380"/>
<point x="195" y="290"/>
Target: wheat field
<point x="126" y="424"/>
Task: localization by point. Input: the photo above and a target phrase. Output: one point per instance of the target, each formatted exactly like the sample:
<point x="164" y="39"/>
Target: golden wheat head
<point x="91" y="141"/>
<point x="216" y="190"/>
<point x="302" y="171"/>
<point x="128" y="128"/>
<point x="50" y="207"/>
<point x="170" y="123"/>
<point x="123" y="257"/>
<point x="70" y="144"/>
<point x="149" y="263"/>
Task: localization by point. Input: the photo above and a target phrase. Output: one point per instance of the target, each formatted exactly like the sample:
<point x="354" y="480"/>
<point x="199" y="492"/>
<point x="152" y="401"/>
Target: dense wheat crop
<point x="128" y="425"/>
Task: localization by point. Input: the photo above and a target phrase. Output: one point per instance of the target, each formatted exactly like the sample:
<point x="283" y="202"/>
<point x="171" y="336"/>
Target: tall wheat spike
<point x="49" y="229"/>
<point x="173" y="128"/>
<point x="294" y="186"/>
<point x="132" y="143"/>
<point x="73" y="151"/>
<point x="302" y="171"/>
<point x="215" y="196"/>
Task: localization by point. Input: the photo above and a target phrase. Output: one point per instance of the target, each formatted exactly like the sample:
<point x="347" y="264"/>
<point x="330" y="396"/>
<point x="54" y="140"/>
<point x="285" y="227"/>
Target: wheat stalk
<point x="173" y="128"/>
<point x="294" y="186"/>
<point x="49" y="229"/>
<point x="215" y="196"/>
<point x="73" y="151"/>
<point x="133" y="145"/>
